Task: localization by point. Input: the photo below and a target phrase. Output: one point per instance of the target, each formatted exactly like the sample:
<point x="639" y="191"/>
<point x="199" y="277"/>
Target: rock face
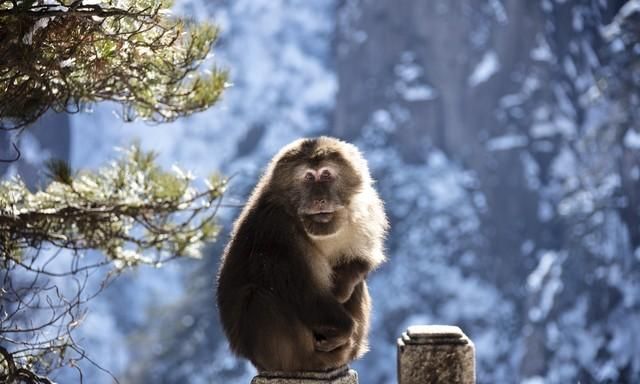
<point x="447" y="63"/>
<point x="442" y="68"/>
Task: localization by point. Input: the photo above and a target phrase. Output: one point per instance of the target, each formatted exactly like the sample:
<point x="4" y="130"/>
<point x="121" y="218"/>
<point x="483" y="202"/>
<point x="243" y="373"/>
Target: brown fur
<point x="292" y="293"/>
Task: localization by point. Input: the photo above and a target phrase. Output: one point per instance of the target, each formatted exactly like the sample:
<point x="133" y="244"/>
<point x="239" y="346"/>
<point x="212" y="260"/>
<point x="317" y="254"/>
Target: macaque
<point x="291" y="292"/>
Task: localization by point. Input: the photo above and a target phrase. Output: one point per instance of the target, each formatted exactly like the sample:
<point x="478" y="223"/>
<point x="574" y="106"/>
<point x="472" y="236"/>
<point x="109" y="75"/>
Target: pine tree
<point x="64" y="55"/>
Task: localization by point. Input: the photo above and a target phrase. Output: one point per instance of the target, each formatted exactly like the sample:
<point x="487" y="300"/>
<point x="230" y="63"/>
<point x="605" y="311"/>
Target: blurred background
<point x="504" y="136"/>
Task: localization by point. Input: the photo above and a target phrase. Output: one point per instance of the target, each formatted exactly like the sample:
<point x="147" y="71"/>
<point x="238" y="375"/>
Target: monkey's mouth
<point x="321" y="217"/>
<point x="321" y="221"/>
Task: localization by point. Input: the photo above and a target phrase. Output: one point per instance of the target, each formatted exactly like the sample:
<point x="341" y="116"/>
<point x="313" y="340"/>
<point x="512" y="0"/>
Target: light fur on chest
<point x="360" y="238"/>
<point x="347" y="244"/>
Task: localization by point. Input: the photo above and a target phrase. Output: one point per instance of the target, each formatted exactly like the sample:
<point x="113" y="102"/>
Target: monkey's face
<point x="318" y="181"/>
<point x="321" y="208"/>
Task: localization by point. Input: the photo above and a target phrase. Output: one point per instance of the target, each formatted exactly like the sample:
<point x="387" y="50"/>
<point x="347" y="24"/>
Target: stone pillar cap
<point x="341" y="375"/>
<point x="434" y="334"/>
<point x="434" y="331"/>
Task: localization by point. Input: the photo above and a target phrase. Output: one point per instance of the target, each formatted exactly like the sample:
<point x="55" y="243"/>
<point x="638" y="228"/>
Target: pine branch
<point x="127" y="210"/>
<point x="65" y="55"/>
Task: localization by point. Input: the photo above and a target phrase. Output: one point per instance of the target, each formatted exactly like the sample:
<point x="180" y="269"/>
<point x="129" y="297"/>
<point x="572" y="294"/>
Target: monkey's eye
<point x="309" y="176"/>
<point x="326" y="175"/>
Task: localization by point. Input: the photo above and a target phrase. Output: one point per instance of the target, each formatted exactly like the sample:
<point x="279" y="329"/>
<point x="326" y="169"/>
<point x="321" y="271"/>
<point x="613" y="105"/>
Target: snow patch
<point x="613" y="30"/>
<point x="407" y="70"/>
<point x="488" y="66"/>
<point x="38" y="25"/>
<point x="561" y="125"/>
<point x="534" y="380"/>
<point x="632" y="139"/>
<point x="409" y="85"/>
<point x="498" y="11"/>
<point x="545" y="282"/>
<point x="506" y="142"/>
<point x="420" y="92"/>
<point x="542" y="51"/>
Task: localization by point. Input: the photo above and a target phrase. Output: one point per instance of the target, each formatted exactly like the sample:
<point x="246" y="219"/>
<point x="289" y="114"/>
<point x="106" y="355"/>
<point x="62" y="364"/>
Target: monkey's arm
<point x="289" y="277"/>
<point x="324" y="314"/>
<point x="332" y="326"/>
<point x="346" y="276"/>
<point x="278" y="297"/>
<point x="330" y="323"/>
<point x="316" y="307"/>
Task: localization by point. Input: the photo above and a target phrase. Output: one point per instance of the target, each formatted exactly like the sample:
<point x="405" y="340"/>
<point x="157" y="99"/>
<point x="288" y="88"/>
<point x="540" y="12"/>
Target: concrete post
<point x="342" y="375"/>
<point x="435" y="354"/>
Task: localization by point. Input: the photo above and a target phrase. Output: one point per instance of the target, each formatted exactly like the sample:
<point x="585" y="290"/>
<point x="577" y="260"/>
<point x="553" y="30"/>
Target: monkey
<point x="291" y="288"/>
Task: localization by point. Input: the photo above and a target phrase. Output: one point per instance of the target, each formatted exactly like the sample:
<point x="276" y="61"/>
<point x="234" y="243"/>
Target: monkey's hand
<point x="330" y="323"/>
<point x="328" y="339"/>
<point x="345" y="278"/>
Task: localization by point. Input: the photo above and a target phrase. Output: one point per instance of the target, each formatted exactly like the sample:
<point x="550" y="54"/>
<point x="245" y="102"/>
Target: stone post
<point x="435" y="354"/>
<point x="342" y="375"/>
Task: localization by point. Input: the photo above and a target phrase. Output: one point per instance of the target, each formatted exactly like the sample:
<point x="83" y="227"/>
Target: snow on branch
<point x="63" y="55"/>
